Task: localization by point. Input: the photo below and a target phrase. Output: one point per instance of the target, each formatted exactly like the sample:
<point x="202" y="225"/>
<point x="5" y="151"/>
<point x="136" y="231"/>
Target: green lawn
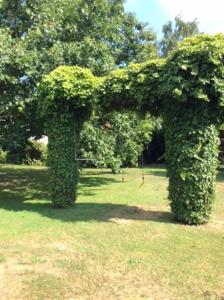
<point x="118" y="242"/>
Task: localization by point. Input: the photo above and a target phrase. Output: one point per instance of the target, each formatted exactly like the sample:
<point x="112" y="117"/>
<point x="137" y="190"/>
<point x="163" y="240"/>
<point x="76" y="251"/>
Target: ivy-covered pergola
<point x="187" y="89"/>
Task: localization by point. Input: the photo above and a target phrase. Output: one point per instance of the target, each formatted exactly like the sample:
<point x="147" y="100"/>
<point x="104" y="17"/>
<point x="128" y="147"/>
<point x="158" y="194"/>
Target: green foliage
<point x="191" y="155"/>
<point x="137" y="43"/>
<point x="36" y="153"/>
<point x="38" y="36"/>
<point x="71" y="86"/>
<point x="171" y="36"/>
<point x="131" y="134"/>
<point x="196" y="71"/>
<point x="97" y="145"/>
<point x="3" y="156"/>
<point x="66" y="99"/>
<point x="17" y="111"/>
<point x="119" y="145"/>
<point x="187" y="88"/>
<point x="63" y="130"/>
<point x="193" y="94"/>
<point x="133" y="88"/>
<point x="95" y="34"/>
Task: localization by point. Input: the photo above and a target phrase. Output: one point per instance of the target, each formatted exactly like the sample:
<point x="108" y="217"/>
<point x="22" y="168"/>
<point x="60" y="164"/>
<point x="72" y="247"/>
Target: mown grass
<point x="118" y="242"/>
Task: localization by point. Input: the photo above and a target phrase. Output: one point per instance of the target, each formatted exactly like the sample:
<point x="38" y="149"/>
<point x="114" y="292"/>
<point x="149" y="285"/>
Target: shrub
<point x="36" y="153"/>
<point x="3" y="156"/>
<point x="120" y="145"/>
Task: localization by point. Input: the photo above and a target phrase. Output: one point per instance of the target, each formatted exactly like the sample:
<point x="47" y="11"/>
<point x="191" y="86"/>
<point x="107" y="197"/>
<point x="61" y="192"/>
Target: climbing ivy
<point x="67" y="98"/>
<point x="191" y="156"/>
<point x="192" y="88"/>
<point x="187" y="89"/>
<point x="196" y="71"/>
<point x="133" y="88"/>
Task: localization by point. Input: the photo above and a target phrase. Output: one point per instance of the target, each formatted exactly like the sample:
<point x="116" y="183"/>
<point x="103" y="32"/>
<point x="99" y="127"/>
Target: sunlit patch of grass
<point x="44" y="286"/>
<point x="38" y="260"/>
<point x="2" y="258"/>
<point x="119" y="241"/>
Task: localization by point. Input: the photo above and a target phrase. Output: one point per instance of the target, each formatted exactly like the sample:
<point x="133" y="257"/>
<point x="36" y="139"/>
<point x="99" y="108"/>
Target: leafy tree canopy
<point x="174" y="33"/>
<point x="37" y="36"/>
<point x="119" y="144"/>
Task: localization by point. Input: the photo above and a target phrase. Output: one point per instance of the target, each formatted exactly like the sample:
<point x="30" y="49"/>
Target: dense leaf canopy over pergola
<point x="187" y="89"/>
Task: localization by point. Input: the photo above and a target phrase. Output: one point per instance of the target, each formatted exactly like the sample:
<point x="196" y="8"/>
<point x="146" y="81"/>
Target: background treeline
<point x="36" y="36"/>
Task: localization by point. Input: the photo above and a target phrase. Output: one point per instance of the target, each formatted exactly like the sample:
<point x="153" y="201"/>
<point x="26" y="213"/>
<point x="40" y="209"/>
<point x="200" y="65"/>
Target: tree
<point x="138" y="42"/>
<point x="172" y="34"/>
<point x="115" y="140"/>
<point x="41" y="35"/>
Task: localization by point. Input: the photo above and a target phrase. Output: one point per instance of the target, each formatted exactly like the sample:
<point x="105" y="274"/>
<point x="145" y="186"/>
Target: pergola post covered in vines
<point x="68" y="95"/>
<point x="187" y="90"/>
<point x="193" y="109"/>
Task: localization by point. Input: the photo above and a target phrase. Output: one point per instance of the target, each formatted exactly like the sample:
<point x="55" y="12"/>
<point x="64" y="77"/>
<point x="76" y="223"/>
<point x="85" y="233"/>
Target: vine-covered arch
<point x="187" y="89"/>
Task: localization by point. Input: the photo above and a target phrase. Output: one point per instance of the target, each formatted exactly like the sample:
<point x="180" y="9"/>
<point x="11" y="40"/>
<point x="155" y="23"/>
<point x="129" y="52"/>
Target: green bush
<point x="3" y="156"/>
<point x="115" y="164"/>
<point x="120" y="145"/>
<point x="36" y="153"/>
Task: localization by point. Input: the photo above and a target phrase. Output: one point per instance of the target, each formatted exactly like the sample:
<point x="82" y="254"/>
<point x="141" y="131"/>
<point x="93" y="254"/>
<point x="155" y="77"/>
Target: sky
<point x="209" y="13"/>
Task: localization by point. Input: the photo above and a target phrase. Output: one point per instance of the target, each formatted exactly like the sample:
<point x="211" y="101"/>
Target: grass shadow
<point x="99" y="171"/>
<point x="28" y="190"/>
<point x="156" y="170"/>
<point x="90" y="212"/>
<point x="220" y="176"/>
